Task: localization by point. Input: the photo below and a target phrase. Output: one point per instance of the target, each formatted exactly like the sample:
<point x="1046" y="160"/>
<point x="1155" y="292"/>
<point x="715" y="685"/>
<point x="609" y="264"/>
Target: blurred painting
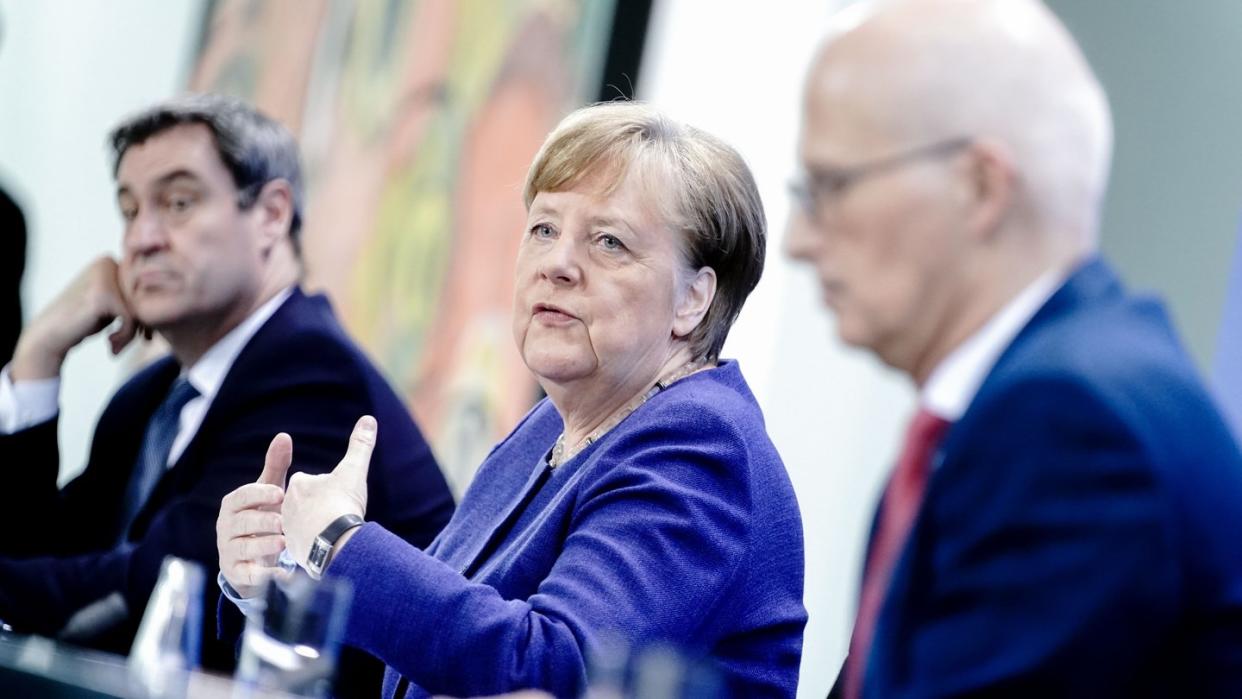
<point x="417" y="121"/>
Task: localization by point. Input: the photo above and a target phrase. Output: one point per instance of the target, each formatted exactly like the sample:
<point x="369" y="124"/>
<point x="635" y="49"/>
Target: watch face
<point x="318" y="554"/>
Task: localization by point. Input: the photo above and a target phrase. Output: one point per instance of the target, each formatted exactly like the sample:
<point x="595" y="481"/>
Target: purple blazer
<point x="678" y="525"/>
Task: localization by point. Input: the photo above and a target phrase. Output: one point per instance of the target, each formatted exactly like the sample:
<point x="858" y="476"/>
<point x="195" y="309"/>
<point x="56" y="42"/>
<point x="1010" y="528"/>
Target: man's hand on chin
<point x="91" y="302"/>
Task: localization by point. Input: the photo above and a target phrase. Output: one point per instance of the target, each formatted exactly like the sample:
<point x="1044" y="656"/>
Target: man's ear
<point x="274" y="209"/>
<point x="993" y="182"/>
<point x="696" y="297"/>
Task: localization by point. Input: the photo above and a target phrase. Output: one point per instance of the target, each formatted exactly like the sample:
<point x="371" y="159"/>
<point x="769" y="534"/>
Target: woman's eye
<point x="611" y="242"/>
<point x="180" y="204"/>
<point x="542" y="230"/>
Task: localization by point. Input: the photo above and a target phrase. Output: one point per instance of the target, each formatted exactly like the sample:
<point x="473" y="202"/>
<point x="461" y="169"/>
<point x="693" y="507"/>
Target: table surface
<point x="34" y="666"/>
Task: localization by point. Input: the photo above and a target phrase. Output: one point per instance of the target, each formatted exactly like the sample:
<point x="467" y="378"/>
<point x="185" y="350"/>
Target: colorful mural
<point x="417" y="121"/>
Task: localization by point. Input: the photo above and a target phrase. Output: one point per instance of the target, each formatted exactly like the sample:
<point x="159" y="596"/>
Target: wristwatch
<point x="321" y="547"/>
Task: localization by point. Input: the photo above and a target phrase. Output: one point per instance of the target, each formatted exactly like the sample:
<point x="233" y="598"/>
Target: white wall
<point x="735" y="68"/>
<point x="1172" y="212"/>
<point x="69" y="70"/>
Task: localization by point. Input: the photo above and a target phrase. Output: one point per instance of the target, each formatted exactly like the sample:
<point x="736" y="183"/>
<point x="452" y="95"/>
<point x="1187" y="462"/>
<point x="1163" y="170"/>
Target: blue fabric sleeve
<point x="652" y="545"/>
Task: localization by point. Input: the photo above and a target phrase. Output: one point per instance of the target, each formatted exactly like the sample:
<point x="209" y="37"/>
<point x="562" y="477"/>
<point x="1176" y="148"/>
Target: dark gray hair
<point x="254" y="148"/>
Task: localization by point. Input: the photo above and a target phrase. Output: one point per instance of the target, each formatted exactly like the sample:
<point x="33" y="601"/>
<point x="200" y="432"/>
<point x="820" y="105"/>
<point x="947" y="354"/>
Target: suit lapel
<point x="238" y="384"/>
<point x="1093" y="281"/>
<point x="236" y="387"/>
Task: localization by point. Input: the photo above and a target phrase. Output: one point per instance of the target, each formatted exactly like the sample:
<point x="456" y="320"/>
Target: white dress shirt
<point x="24" y="404"/>
<point x="955" y="381"/>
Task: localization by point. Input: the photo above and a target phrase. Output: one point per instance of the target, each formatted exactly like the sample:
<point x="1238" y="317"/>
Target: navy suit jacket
<point x="299" y="374"/>
<point x="1081" y="535"/>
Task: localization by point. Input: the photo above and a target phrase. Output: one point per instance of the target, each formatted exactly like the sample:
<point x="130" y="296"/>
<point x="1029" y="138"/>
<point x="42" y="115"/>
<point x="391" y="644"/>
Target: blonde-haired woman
<point x="643" y="497"/>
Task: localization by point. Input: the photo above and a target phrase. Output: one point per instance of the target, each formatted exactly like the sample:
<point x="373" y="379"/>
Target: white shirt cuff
<point x="25" y="404"/>
<point x="251" y="606"/>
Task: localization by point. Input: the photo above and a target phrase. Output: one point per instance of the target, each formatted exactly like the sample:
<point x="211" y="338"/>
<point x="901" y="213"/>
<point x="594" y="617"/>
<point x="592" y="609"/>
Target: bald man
<point x="1065" y="519"/>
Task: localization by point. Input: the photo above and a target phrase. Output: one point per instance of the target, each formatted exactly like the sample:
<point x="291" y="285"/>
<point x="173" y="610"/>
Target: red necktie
<point x="901" y="503"/>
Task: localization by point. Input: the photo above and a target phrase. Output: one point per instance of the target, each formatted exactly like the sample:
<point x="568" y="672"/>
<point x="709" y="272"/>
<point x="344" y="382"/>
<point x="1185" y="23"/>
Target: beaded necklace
<point x="560" y="454"/>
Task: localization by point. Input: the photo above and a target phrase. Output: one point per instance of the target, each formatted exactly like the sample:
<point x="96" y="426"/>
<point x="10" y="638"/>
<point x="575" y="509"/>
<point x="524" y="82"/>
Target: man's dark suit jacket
<point x="1082" y="533"/>
<point x="299" y="374"/>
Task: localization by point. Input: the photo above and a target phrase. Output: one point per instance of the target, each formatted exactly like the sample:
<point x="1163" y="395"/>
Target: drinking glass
<point x="166" y="646"/>
<point x="292" y="642"/>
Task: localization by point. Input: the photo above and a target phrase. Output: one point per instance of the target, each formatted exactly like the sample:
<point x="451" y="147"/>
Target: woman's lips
<point x="552" y="315"/>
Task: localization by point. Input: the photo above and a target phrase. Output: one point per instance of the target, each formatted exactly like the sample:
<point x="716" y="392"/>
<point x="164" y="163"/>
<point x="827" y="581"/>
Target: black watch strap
<point x="339" y="526"/>
<point x="321" y="548"/>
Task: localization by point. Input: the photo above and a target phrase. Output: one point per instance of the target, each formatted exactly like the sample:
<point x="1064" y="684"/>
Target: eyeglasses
<point x="815" y="190"/>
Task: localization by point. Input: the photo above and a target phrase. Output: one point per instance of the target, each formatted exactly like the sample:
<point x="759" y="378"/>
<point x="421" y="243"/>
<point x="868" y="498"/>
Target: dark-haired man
<point x="210" y="194"/>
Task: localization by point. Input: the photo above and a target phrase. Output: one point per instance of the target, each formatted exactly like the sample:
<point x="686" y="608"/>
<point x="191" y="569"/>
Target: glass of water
<point x="292" y="644"/>
<point x="166" y="647"/>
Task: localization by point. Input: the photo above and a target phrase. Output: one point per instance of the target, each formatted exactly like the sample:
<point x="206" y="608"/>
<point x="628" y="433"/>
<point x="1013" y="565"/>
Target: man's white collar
<point x="207" y="374"/>
<point x="955" y="381"/>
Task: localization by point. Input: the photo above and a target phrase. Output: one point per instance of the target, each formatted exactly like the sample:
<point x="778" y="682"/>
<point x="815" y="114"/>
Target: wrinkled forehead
<point x="843" y="118"/>
<point x="185" y="148"/>
<point x="867" y="94"/>
<point x="655" y="205"/>
<point x="651" y="178"/>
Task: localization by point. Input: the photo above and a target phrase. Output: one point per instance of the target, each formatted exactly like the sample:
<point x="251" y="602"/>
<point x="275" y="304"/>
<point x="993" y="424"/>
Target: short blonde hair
<point x="708" y="192"/>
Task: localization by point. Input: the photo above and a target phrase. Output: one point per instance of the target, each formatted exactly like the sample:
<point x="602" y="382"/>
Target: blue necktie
<point x="156" y="444"/>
